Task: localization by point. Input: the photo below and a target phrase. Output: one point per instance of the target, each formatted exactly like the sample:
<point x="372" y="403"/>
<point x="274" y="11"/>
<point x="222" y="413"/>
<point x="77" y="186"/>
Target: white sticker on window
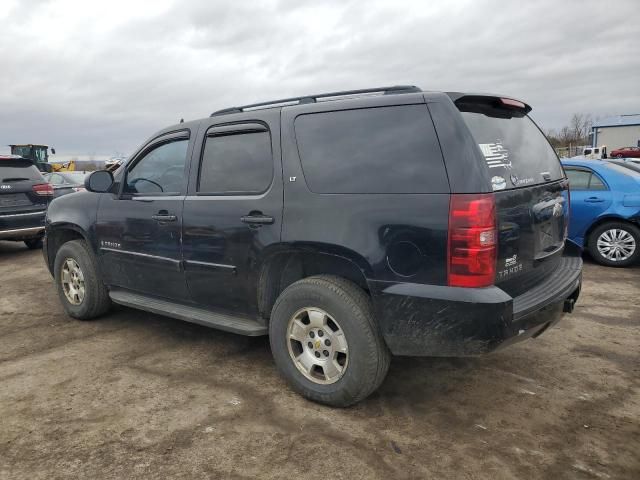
<point x="495" y="154"/>
<point x="498" y="183"/>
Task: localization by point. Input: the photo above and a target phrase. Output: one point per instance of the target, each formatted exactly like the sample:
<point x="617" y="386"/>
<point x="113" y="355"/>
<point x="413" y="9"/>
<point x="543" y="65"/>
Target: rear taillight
<point x="472" y="240"/>
<point x="43" y="189"/>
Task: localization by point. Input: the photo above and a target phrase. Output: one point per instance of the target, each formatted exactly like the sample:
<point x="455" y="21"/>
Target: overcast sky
<point x="93" y="77"/>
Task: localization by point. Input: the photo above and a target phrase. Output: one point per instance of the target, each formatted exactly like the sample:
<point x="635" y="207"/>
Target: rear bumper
<point x="22" y="225"/>
<point x="427" y="320"/>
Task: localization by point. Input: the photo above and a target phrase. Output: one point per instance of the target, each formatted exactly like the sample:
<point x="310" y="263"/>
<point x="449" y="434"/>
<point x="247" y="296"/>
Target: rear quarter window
<point x="514" y="149"/>
<point x="371" y="150"/>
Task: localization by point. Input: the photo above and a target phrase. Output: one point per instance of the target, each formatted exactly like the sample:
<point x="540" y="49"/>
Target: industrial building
<point x="616" y="132"/>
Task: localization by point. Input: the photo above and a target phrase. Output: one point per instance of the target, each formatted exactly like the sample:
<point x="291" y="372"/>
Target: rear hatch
<point x="23" y="189"/>
<point x="531" y="191"/>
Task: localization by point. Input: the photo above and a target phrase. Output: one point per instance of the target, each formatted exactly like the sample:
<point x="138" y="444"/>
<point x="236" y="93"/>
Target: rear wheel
<point x="33" y="243"/>
<point x="620" y="155"/>
<point x="325" y="342"/>
<point x="80" y="288"/>
<point x="615" y="244"/>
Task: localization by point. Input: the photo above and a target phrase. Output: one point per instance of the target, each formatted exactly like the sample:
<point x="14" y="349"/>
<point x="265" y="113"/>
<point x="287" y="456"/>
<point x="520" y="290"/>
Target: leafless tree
<point x="575" y="133"/>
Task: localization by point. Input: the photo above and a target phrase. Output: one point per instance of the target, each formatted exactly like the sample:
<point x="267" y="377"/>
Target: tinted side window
<point x="371" y="150"/>
<point x="578" y="179"/>
<point x="236" y="164"/>
<point x="595" y="183"/>
<point x="584" y="180"/>
<point x="160" y="171"/>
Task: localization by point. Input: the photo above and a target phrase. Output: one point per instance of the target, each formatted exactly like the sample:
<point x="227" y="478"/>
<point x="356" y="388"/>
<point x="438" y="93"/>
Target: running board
<point x="228" y="323"/>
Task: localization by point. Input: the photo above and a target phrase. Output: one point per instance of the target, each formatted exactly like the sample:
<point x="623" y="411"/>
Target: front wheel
<point x="325" y="342"/>
<point x="615" y="244"/>
<point x="80" y="288"/>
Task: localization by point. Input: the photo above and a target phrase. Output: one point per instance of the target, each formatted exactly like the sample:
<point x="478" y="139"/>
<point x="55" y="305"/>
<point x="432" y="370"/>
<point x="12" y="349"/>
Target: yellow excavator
<point x="39" y="155"/>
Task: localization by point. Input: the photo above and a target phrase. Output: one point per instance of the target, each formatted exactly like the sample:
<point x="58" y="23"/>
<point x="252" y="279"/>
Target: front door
<point x="233" y="211"/>
<point x="139" y="228"/>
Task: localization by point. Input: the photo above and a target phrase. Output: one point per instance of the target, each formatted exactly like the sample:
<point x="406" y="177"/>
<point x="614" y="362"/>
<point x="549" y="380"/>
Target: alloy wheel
<point x="317" y="345"/>
<point x="73" y="281"/>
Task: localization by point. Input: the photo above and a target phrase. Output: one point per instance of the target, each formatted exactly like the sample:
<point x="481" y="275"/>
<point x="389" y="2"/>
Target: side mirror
<point x="53" y="151"/>
<point x="99" y="181"/>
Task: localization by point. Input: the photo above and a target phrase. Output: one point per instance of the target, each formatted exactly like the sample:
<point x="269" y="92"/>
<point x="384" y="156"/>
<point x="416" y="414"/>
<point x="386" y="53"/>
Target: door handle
<point x="163" y="217"/>
<point x="594" y="200"/>
<point x="257" y="219"/>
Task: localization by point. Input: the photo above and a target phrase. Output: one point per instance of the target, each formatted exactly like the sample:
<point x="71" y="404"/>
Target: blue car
<point x="605" y="210"/>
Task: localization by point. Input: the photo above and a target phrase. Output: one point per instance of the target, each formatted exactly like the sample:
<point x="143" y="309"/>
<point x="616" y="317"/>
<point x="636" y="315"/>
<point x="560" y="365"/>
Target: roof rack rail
<point x="314" y="98"/>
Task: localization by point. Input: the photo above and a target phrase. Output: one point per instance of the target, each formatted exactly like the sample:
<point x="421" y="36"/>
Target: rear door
<point x="590" y="197"/>
<point x="530" y="189"/>
<point x="21" y="205"/>
<point x="233" y="212"/>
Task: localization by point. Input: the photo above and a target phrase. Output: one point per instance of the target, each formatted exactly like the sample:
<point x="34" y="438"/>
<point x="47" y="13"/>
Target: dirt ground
<point x="135" y="395"/>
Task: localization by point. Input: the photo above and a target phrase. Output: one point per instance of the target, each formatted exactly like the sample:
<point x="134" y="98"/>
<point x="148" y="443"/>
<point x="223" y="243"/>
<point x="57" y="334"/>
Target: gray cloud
<point x="99" y="78"/>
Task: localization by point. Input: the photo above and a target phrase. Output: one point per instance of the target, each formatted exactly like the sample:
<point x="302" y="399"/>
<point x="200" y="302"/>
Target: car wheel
<point x="78" y="282"/>
<point x="325" y="341"/>
<point x="615" y="244"/>
<point x="620" y="155"/>
<point x="33" y="243"/>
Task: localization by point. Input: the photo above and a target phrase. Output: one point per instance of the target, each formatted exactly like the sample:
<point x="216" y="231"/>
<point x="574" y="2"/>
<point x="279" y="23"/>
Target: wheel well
<point x="602" y="221"/>
<point x="58" y="237"/>
<point x="286" y="268"/>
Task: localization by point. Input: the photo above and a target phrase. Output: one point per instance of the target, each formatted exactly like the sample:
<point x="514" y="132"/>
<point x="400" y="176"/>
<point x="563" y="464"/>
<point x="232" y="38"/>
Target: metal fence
<point x="571" y="151"/>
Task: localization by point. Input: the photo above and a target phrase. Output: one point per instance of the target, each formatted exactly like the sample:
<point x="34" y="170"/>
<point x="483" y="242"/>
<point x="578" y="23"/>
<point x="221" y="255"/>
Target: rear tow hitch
<point x="569" y="303"/>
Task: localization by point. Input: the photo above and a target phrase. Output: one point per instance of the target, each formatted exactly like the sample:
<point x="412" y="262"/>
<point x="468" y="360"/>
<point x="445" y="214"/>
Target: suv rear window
<point x="515" y="150"/>
<point x="15" y="170"/>
<point x="371" y="150"/>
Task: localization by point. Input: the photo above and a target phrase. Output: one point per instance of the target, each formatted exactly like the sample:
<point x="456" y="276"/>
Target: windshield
<point x="22" y="151"/>
<point x="515" y="150"/>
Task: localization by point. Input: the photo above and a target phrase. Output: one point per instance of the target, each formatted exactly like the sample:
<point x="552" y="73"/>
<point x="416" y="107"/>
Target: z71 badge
<point x="511" y="267"/>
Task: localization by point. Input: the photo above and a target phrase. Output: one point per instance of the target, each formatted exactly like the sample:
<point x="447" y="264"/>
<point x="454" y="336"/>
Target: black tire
<point x="33" y="243"/>
<point x="592" y="243"/>
<point x="368" y="356"/>
<point x="96" y="297"/>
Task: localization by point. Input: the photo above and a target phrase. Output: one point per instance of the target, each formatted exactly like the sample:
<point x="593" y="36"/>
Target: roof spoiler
<point x="487" y="103"/>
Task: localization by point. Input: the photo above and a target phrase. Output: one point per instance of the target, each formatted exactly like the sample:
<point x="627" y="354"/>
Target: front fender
<point x="70" y="217"/>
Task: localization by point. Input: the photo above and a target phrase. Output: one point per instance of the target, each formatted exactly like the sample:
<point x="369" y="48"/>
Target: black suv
<point x="24" y="196"/>
<point x="347" y="226"/>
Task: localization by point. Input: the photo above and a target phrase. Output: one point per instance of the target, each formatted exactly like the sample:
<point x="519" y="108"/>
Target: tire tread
<point x="358" y="302"/>
<point x="97" y="296"/>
